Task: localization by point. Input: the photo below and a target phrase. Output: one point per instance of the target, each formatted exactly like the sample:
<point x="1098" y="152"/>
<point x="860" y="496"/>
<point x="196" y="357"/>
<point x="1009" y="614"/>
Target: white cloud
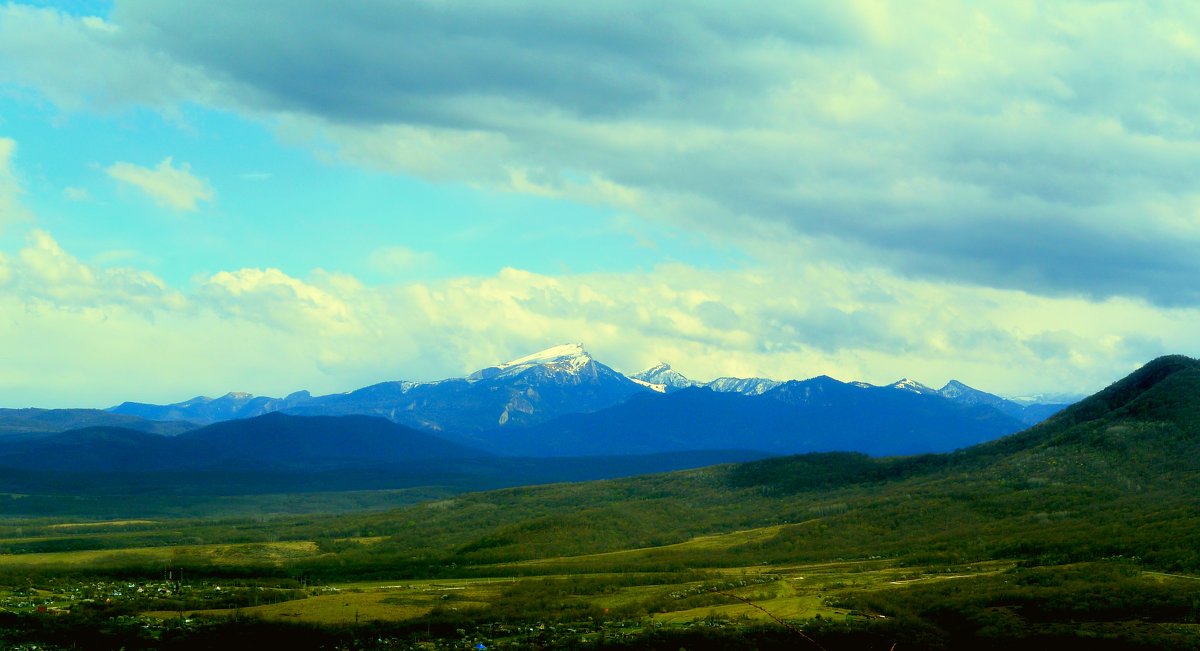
<point x="169" y="186"/>
<point x="11" y="209"/>
<point x="49" y="265"/>
<point x="329" y="332"/>
<point x="269" y="296"/>
<point x="45" y="274"/>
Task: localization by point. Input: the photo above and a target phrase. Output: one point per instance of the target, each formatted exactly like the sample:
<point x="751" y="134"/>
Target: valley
<point x="599" y="326"/>
<point x="1078" y="530"/>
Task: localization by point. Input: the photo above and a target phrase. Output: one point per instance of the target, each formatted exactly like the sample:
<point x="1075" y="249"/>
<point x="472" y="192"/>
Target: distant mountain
<point x="749" y="386"/>
<point x="664" y="379"/>
<point x="820" y="414"/>
<point x="532" y="389"/>
<point x="1048" y="399"/>
<point x="1030" y="414"/>
<point x="202" y="409"/>
<point x="283" y="453"/>
<point x="282" y="441"/>
<point x="955" y="391"/>
<point x="527" y="391"/>
<point x="1076" y="533"/>
<point x="40" y="421"/>
<point x="270" y="442"/>
<point x="90" y="449"/>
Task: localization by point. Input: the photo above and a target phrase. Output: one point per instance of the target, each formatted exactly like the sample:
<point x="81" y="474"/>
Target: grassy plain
<point x="1078" y="532"/>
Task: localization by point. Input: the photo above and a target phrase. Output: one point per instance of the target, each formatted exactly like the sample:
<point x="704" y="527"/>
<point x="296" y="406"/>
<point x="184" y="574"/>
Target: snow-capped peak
<point x="954" y="389"/>
<point x="750" y="386"/>
<point x="566" y="358"/>
<point x="906" y="384"/>
<point x="663" y="374"/>
<point x="573" y="354"/>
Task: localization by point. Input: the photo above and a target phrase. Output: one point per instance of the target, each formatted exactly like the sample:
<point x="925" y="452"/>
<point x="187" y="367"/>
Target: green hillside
<point x="1115" y="475"/>
<point x="1080" y="531"/>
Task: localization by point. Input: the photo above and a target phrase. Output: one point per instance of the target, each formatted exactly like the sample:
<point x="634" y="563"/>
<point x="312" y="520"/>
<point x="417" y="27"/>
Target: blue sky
<point x="268" y="196"/>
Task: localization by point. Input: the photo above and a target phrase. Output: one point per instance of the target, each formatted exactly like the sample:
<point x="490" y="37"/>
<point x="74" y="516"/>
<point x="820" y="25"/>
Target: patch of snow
<point x="752" y="386"/>
<point x="954" y="389"/>
<point x="663" y="374"/>
<point x="571" y="353"/>
<point x="660" y="388"/>
<point x="565" y="358"/>
<point x="905" y="384"/>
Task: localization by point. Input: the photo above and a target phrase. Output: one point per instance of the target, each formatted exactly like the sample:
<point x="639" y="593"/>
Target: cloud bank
<point x="99" y="335"/>
<point x="998" y="190"/>
<point x="1046" y="148"/>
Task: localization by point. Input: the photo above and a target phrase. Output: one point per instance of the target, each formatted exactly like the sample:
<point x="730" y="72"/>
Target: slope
<point x="821" y="414"/>
<point x="1115" y="475"/>
<point x="34" y="421"/>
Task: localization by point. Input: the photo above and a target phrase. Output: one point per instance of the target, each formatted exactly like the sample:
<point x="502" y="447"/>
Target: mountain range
<point x="819" y="414"/>
<point x="1078" y="532"/>
<point x="534" y="389"/>
<point x="559" y="403"/>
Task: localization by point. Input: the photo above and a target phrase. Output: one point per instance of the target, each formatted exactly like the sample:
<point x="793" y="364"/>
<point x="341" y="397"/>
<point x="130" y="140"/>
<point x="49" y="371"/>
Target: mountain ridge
<point x="525" y="391"/>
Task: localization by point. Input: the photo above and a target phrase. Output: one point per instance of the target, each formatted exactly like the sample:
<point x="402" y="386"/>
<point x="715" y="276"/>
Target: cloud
<point x="11" y="209"/>
<point x="1045" y="148"/>
<point x="1048" y="148"/>
<point x="1001" y="192"/>
<point x="329" y="332"/>
<point x="169" y="186"/>
<point x="271" y="296"/>
<point x="45" y="274"/>
<point x="83" y="63"/>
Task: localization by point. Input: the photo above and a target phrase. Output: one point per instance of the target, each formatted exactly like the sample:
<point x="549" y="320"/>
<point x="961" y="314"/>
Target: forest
<point x="1078" y="531"/>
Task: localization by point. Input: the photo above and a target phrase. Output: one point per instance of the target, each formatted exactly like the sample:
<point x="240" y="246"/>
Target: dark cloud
<point x="384" y="62"/>
<point x="1051" y="148"/>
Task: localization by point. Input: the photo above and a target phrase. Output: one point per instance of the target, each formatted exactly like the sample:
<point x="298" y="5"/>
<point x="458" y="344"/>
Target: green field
<point x="1079" y="533"/>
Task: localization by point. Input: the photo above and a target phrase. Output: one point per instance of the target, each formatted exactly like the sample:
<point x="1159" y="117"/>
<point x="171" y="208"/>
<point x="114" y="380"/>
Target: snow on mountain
<point x="662" y="374"/>
<point x="566" y="358"/>
<point x="959" y="392"/>
<point x="747" y="386"/>
<point x="906" y="384"/>
<point x="1048" y="399"/>
<point x="562" y="379"/>
<point x="657" y="388"/>
<point x="955" y="389"/>
<point x="672" y="380"/>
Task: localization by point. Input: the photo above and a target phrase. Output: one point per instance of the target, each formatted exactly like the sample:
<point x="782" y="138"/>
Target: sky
<point x="268" y="196"/>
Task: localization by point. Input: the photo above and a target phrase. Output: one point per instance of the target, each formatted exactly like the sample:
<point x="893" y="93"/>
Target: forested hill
<point x="1115" y="476"/>
<point x="1154" y="412"/>
<point x="1079" y="533"/>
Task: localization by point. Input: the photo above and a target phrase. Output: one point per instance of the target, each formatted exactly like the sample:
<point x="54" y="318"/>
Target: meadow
<point x="1081" y="531"/>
